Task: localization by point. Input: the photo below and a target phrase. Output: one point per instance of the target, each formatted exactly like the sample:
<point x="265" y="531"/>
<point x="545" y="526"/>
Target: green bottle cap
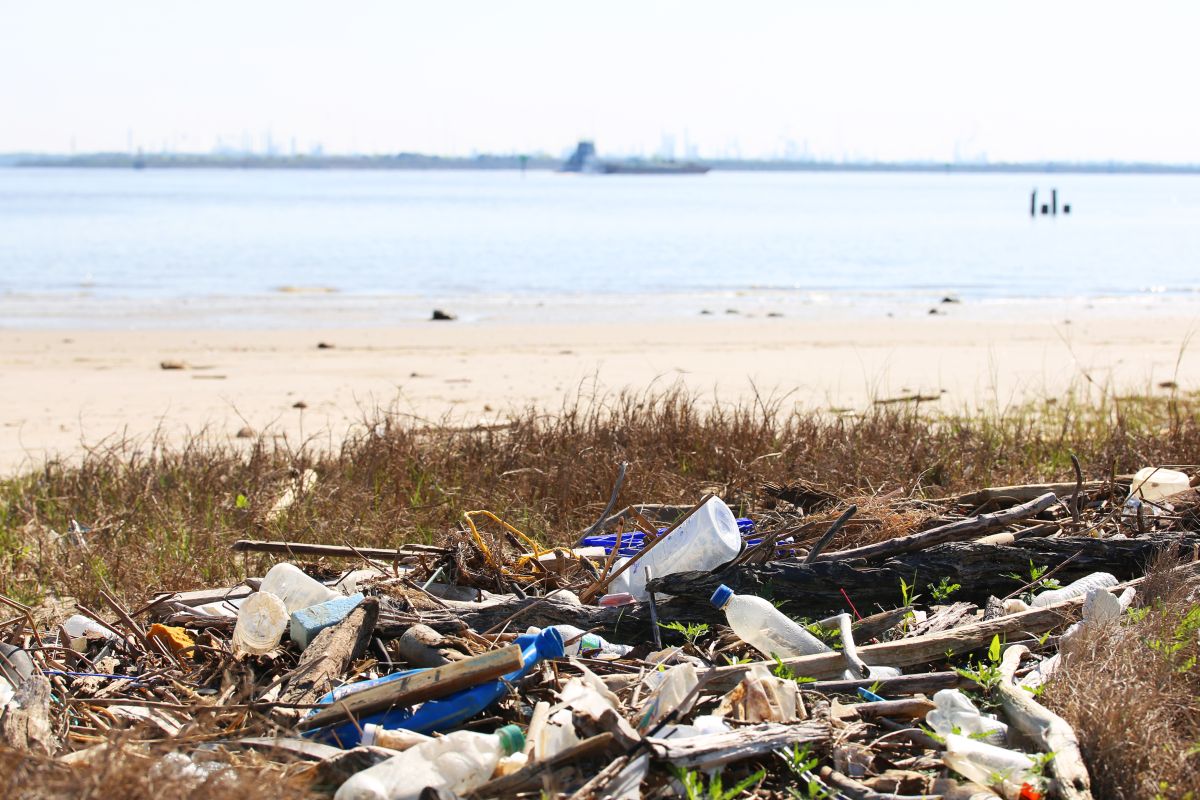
<point x="512" y="740"/>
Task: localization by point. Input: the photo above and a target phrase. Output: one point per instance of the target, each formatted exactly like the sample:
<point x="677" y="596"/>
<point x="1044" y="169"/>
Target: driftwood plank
<point x="715" y="749"/>
<point x="419" y="687"/>
<point x="325" y="660"/>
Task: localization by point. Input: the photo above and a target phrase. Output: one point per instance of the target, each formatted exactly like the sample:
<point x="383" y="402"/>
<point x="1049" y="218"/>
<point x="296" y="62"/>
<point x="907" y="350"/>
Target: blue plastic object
<point x="632" y="542"/>
<point x="721" y="596"/>
<point x="308" y="622"/>
<point x="444" y="713"/>
<point x="869" y="696"/>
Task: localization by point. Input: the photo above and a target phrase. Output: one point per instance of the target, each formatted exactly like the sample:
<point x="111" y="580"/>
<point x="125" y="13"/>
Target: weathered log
<point x="814" y="590"/>
<point x="325" y="660"/>
<point x="1052" y="733"/>
<point x="961" y="529"/>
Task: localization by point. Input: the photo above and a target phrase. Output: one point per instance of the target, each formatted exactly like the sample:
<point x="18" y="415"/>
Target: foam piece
<point x="308" y="622"/>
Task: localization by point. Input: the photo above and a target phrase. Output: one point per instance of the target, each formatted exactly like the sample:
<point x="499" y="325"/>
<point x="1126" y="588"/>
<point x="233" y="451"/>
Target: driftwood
<point x="715" y="749"/>
<point x="25" y="721"/>
<point x="329" y="655"/>
<point x="961" y="529"/>
<point x="983" y="570"/>
<point x="419" y="687"/>
<point x="1050" y="732"/>
<point x="1031" y="490"/>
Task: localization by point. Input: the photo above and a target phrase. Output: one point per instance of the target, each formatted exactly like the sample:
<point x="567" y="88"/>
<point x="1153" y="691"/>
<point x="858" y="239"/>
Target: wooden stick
<point x="829" y="534"/>
<point x="331" y="550"/>
<point x="961" y="529"/>
<point x="420" y="686"/>
<point x="602" y="584"/>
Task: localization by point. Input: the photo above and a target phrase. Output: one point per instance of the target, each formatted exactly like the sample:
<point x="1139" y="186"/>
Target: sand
<point x="67" y="390"/>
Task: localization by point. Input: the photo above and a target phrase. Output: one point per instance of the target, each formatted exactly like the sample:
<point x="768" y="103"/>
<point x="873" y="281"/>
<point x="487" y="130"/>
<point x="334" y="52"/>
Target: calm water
<point x="74" y="243"/>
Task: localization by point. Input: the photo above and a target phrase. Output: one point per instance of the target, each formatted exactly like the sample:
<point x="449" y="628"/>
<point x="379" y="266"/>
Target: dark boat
<point x="584" y="160"/>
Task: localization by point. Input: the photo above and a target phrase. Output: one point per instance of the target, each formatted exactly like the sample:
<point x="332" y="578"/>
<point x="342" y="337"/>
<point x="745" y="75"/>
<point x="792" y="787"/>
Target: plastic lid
<point x="721" y="596"/>
<point x="512" y="740"/>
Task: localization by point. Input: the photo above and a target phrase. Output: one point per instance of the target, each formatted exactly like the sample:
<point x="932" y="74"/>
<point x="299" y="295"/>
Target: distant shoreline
<point x="416" y="161"/>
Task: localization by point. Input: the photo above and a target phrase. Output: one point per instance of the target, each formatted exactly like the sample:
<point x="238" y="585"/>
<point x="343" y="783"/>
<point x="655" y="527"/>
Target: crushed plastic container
<point x="1153" y="484"/>
<point x="633" y="541"/>
<point x="1079" y="588"/>
<point x="444" y="713"/>
<point x="705" y="540"/>
<point x="989" y="765"/>
<point x="956" y="711"/>
<point x="297" y="590"/>
<point x="261" y="621"/>
<point x="457" y="763"/>
<point x="578" y="640"/>
<point x="392" y="739"/>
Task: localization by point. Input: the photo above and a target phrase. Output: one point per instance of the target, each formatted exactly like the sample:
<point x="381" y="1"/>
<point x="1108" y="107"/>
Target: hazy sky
<point x="843" y="78"/>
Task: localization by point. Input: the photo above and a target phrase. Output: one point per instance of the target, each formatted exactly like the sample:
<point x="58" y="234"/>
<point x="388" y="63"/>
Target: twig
<point x="827" y="537"/>
<point x="612" y="501"/>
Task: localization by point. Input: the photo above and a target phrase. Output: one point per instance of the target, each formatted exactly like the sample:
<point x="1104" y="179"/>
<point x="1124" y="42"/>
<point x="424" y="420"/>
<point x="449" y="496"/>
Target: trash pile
<point x="671" y="651"/>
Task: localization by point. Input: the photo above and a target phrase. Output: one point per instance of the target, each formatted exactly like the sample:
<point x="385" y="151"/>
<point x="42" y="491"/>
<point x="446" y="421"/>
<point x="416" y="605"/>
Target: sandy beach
<point x="65" y="390"/>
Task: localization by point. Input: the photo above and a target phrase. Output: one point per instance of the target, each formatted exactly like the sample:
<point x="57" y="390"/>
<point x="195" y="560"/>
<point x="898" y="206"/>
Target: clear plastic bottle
<point x="262" y="619"/>
<point x="457" y="762"/>
<point x="764" y="627"/>
<point x="705" y="540"/>
<point x="289" y="583"/>
<point x="772" y="633"/>
<point x="1080" y="588"/>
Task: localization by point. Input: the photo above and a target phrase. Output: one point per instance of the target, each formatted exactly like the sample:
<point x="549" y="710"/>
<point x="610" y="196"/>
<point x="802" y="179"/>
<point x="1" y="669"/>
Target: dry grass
<point x="163" y="517"/>
<point x="1132" y="693"/>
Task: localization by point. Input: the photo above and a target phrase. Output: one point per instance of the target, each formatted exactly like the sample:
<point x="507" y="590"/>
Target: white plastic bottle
<point x="262" y="619"/>
<point x="458" y="762"/>
<point x="289" y="583"/>
<point x="584" y="641"/>
<point x="705" y="540"/>
<point x="764" y="627"/>
<point x="1080" y="588"/>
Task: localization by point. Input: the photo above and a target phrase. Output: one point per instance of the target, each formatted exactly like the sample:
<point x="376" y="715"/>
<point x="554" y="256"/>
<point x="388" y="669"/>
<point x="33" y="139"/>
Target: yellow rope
<point x="487" y="554"/>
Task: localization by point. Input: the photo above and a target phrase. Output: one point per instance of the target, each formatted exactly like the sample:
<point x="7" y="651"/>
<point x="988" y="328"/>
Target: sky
<point x="855" y="79"/>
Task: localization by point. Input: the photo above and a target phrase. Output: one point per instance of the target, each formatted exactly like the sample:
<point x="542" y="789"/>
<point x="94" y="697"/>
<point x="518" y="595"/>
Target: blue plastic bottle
<point x="444" y="713"/>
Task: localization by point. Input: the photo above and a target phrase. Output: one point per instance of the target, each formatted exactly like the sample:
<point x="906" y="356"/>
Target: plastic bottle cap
<point x="550" y="644"/>
<point x="512" y="740"/>
<point x="721" y="597"/>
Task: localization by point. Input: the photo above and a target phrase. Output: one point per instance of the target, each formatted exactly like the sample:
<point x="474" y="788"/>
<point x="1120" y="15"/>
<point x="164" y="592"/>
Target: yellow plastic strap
<point x="487" y="554"/>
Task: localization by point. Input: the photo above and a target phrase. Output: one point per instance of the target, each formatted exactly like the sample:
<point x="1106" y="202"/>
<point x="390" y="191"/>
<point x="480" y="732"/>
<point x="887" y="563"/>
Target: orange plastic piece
<point x="175" y="638"/>
<point x="1029" y="793"/>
